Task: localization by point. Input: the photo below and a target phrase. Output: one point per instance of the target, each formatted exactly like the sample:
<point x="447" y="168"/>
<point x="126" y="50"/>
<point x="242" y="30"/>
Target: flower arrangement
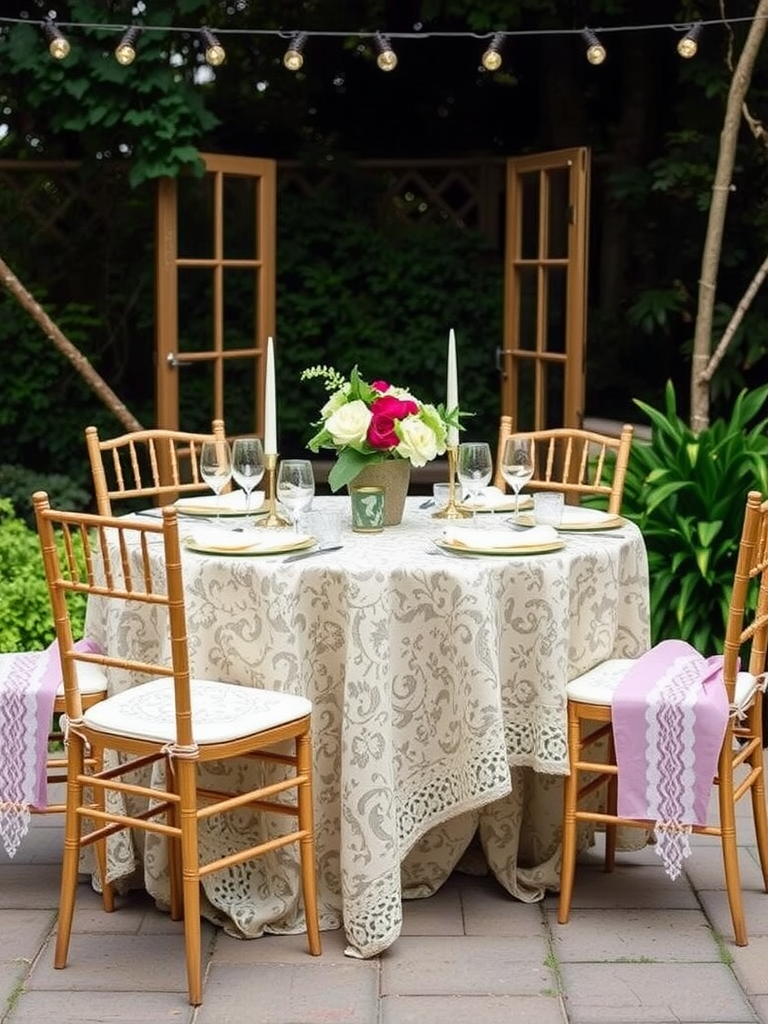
<point x="367" y="423"/>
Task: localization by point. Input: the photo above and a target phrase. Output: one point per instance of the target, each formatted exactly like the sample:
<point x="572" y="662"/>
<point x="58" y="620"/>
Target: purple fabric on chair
<point x="28" y="684"/>
<point x="669" y="717"/>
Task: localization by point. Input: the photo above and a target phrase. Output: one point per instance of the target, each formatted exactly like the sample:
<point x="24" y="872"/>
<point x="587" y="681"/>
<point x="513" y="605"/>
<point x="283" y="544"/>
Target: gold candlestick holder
<point x="451" y="510"/>
<point x="273" y="519"/>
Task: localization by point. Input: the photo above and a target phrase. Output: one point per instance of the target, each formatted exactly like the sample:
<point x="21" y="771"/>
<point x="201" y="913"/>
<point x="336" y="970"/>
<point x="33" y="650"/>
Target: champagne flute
<point x="295" y="487"/>
<point x="474" y="468"/>
<point x="216" y="468"/>
<point x="517" y="465"/>
<point x="247" y="465"/>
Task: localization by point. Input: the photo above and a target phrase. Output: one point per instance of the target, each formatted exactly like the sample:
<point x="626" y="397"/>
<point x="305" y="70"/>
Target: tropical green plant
<point x="26" y="621"/>
<point x="686" y="492"/>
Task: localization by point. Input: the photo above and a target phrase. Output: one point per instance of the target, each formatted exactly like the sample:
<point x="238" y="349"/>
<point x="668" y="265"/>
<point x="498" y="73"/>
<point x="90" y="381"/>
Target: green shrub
<point x="687" y="492"/>
<point x="26" y="622"/>
<point x="18" y="484"/>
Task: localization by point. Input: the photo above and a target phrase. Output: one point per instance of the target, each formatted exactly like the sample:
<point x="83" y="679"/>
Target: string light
<point x="387" y="58"/>
<point x="58" y="46"/>
<point x="491" y="59"/>
<point x="294" y="55"/>
<point x="125" y="52"/>
<point x="214" y="51"/>
<point x="688" y="46"/>
<point x="596" y="52"/>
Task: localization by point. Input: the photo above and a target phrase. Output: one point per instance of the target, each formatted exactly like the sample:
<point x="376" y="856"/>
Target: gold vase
<point x="394" y="476"/>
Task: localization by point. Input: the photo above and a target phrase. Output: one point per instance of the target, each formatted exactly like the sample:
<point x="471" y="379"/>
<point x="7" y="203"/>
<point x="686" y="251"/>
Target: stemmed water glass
<point x="247" y="465"/>
<point x="295" y="487"/>
<point x="517" y="465"/>
<point x="474" y="468"/>
<point x="216" y="468"/>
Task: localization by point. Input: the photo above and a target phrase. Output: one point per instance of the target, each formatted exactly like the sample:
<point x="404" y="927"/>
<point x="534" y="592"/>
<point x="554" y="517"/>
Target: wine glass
<point x="517" y="465"/>
<point x="474" y="468"/>
<point x="247" y="465"/>
<point x="216" y="468"/>
<point x="295" y="487"/>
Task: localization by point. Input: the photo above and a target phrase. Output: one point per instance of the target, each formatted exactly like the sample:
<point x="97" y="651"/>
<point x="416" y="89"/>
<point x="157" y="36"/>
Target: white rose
<point x="349" y="424"/>
<point x="417" y="441"/>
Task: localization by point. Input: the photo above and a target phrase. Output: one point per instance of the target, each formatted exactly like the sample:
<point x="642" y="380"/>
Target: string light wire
<point x="357" y="33"/>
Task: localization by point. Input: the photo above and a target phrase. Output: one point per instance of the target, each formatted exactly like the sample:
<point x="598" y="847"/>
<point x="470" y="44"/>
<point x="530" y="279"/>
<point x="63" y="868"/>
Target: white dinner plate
<point x="276" y="546"/>
<point x="232" y="504"/>
<point x="459" y="548"/>
<point x="577" y="518"/>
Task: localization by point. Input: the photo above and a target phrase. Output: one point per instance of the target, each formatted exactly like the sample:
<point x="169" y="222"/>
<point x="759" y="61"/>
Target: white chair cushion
<point x="597" y="686"/>
<point x="90" y="679"/>
<point x="220" y="711"/>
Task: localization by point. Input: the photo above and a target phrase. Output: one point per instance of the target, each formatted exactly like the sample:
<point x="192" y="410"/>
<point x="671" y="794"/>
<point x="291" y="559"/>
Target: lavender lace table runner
<point x="28" y="684"/>
<point x="669" y="717"/>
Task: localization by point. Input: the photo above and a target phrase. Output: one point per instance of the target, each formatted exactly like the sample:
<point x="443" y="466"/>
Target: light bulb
<point x="387" y="58"/>
<point x="689" y="45"/>
<point x="294" y="55"/>
<point x="214" y="51"/>
<point x="125" y="52"/>
<point x="58" y="46"/>
<point x="491" y="59"/>
<point x="596" y="52"/>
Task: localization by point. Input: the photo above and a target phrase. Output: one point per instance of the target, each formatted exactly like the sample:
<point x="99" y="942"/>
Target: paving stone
<point x="619" y="993"/>
<point x="465" y="966"/>
<point x="463" y="1009"/>
<point x="288" y="994"/>
<point x="667" y="936"/>
<point x="99" y="1007"/>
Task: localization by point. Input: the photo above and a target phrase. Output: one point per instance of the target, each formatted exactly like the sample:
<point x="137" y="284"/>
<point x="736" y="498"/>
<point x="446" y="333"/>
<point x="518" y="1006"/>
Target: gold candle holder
<point x="272" y="519"/>
<point x="451" y="510"/>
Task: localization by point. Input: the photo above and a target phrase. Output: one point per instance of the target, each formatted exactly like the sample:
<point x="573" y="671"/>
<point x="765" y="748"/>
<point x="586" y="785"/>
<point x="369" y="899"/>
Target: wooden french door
<point x="542" y="360"/>
<point x="215" y="301"/>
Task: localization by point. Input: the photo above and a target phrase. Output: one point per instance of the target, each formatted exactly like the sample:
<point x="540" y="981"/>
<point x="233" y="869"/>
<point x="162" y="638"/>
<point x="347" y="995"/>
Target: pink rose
<point x="384" y="412"/>
<point x="380" y="385"/>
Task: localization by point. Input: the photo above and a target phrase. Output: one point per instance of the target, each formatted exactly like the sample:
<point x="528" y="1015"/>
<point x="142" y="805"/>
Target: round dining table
<point x="437" y="680"/>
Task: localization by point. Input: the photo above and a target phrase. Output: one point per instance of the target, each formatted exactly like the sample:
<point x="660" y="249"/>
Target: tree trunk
<point x="710" y="260"/>
<point x="97" y="384"/>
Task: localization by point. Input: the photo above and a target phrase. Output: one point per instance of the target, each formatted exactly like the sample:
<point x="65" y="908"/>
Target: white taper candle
<point x="270" y="406"/>
<point x="452" y="390"/>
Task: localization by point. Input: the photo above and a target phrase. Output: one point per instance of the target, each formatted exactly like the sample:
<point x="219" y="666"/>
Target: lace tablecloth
<point x="438" y="685"/>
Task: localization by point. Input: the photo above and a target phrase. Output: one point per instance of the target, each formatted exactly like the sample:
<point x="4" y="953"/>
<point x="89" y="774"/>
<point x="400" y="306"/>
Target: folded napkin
<point x="28" y="684"/>
<point x="489" y="497"/>
<point x="669" y="716"/>
<point x="580" y="515"/>
<point x="489" y="539"/>
<point x="232" y="501"/>
<point x="215" y="538"/>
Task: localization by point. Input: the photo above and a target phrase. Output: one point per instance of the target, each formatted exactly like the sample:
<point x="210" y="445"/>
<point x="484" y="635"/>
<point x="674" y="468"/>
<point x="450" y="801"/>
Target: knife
<point x="314" y="551"/>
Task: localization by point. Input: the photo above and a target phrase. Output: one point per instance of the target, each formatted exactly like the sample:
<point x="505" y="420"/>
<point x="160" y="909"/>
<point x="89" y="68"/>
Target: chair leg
<point x="173" y="846"/>
<point x="612" y="797"/>
<point x="731" y="859"/>
<point x="100" y="848"/>
<point x="185" y="773"/>
<point x="71" y="853"/>
<point x="759" y="815"/>
<point x="570" y="800"/>
<point x="307" y="844"/>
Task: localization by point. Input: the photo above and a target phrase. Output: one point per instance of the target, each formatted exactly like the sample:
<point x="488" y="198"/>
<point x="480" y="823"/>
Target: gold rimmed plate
<point x="460" y="548"/>
<point x="574" y="523"/>
<point x="275" y="547"/>
<point x="232" y="505"/>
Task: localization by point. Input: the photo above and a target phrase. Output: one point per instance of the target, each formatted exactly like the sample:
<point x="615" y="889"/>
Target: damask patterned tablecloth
<point x="438" y="687"/>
